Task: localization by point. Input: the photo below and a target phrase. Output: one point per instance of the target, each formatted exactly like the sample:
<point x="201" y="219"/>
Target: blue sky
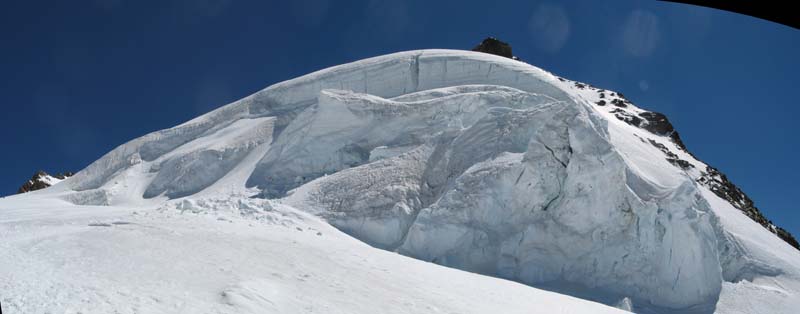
<point x="81" y="77"/>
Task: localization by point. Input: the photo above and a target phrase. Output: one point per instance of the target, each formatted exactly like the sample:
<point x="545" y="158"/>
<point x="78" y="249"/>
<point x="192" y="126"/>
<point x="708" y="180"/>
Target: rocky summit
<point x="496" y="47"/>
<point x="41" y="180"/>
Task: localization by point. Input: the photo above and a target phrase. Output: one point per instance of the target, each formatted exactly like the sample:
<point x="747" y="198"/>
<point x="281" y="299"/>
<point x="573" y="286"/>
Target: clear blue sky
<point x="78" y="78"/>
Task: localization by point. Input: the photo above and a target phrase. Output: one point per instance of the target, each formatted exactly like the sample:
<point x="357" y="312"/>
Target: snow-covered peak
<point x="481" y="163"/>
<point x="41" y="180"/>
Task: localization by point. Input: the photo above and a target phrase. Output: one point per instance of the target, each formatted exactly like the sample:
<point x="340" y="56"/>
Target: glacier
<point x="466" y="160"/>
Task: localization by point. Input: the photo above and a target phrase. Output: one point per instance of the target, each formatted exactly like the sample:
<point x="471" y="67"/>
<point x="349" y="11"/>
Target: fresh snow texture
<point x="463" y="159"/>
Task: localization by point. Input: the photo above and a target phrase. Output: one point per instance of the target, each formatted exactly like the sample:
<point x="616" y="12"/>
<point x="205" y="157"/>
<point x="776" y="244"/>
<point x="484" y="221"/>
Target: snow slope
<point x="463" y="159"/>
<point x="227" y="256"/>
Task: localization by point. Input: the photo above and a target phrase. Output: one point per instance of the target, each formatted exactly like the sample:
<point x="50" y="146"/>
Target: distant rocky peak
<point x="41" y="180"/>
<point x="496" y="47"/>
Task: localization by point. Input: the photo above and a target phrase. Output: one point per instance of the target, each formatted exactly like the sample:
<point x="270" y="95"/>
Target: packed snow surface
<point x="228" y="256"/>
<point x="462" y="159"/>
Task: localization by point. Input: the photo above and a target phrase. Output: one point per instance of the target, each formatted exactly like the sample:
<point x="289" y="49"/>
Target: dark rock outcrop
<point x="657" y="123"/>
<point x="671" y="157"/>
<point x="619" y="103"/>
<point x="39" y="181"/>
<point x="496" y="47"/>
<point x="786" y="236"/>
<point x="623" y="115"/>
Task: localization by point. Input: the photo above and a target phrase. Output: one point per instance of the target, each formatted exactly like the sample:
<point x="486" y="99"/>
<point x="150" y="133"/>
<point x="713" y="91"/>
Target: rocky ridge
<point x="710" y="177"/>
<point x="41" y="180"/>
<point x="658" y="124"/>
